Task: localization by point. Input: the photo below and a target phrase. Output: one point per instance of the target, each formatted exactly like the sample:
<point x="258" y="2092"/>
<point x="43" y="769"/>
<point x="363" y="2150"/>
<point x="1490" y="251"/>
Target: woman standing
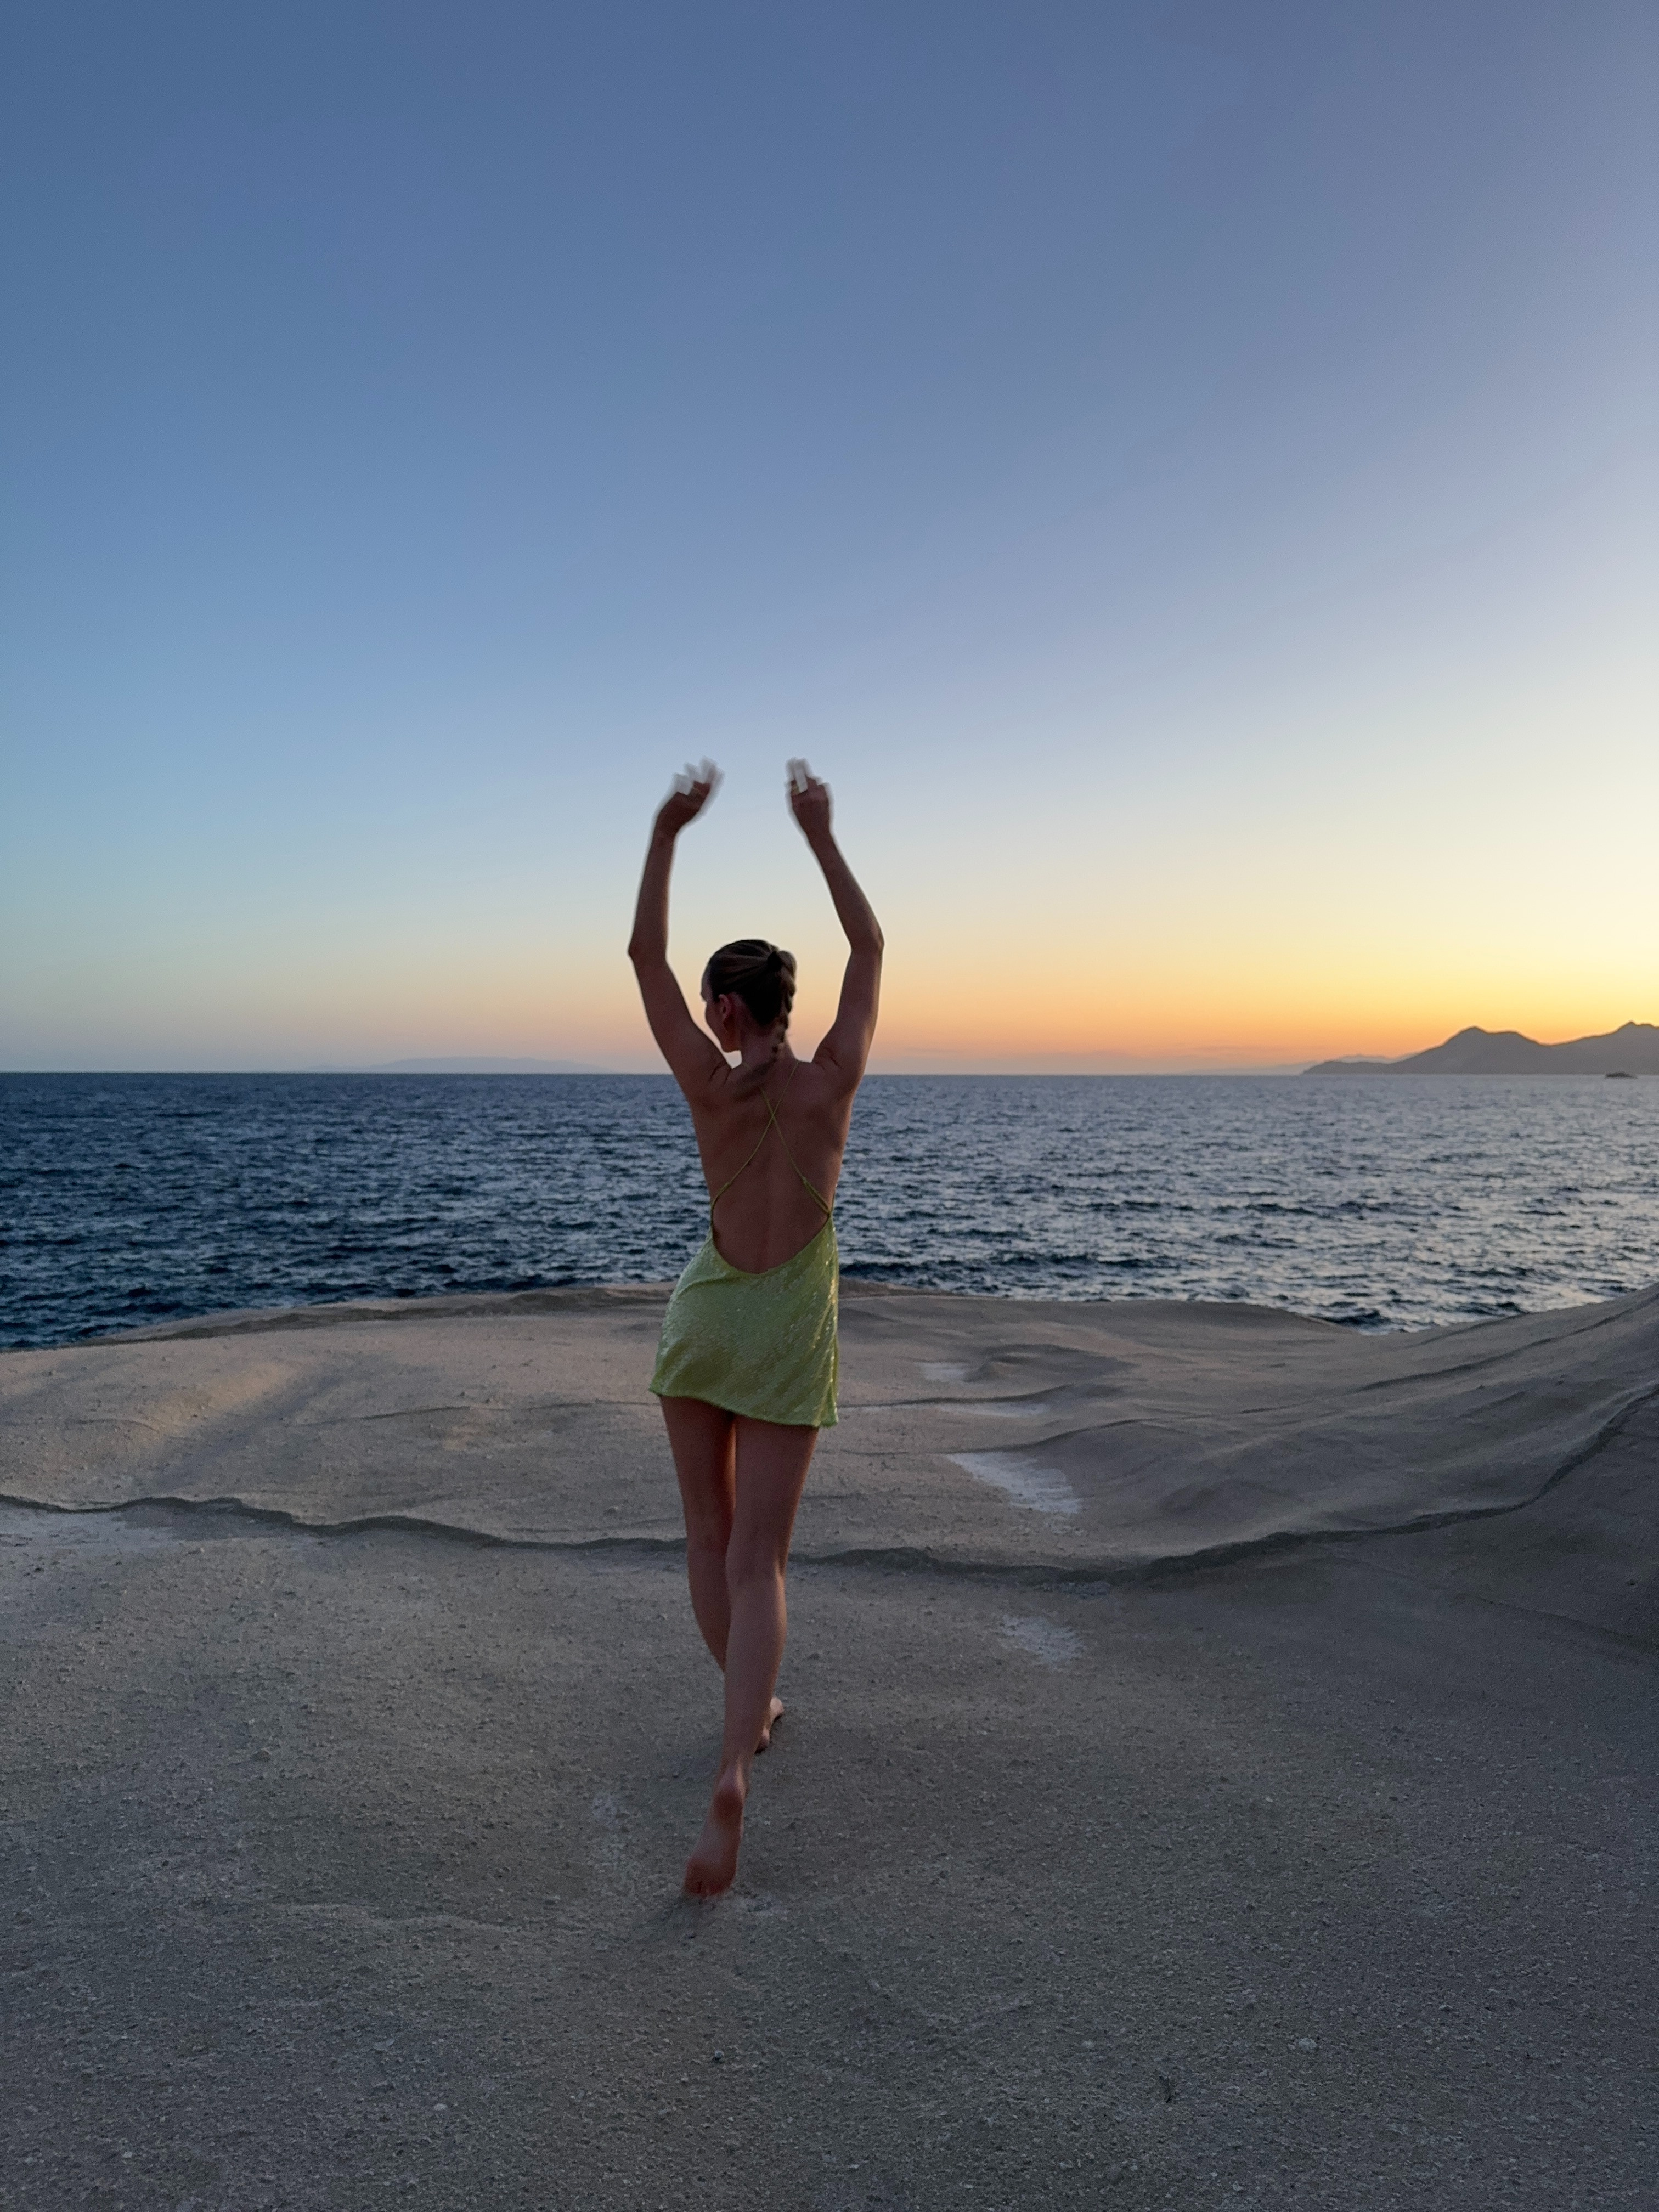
<point x="746" y="1368"/>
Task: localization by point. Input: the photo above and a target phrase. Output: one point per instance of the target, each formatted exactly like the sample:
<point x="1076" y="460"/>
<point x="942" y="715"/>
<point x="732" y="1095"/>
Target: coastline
<point x="1104" y="1441"/>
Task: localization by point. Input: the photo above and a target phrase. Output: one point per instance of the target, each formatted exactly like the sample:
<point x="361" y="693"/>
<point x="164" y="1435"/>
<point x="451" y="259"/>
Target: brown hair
<point x="759" y="973"/>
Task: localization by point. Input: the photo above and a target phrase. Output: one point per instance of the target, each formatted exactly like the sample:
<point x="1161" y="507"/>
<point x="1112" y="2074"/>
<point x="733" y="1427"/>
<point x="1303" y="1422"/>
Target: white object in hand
<point x="799" y="774"/>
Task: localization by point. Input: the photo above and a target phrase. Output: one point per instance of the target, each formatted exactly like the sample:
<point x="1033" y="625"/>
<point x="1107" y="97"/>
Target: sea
<point x="1380" y="1202"/>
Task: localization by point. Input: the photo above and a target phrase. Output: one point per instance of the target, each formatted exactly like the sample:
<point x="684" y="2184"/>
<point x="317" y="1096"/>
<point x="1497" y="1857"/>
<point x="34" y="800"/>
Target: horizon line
<point x="1001" y="1068"/>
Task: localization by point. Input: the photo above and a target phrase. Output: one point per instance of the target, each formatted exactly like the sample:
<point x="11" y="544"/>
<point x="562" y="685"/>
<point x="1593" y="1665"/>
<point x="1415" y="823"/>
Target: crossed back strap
<point x="772" y="1122"/>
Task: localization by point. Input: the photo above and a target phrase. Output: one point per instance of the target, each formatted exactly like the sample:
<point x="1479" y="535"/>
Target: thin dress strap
<point x="772" y="1122"/>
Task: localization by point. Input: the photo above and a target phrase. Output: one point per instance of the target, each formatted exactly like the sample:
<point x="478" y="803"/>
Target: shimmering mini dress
<point x="761" y="1344"/>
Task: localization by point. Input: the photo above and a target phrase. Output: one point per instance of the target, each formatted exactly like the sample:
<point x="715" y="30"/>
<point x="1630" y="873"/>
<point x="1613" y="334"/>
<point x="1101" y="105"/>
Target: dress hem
<point x="746" y="1412"/>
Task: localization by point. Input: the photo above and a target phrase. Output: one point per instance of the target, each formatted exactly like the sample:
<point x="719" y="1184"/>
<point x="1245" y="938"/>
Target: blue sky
<point x="1186" y="473"/>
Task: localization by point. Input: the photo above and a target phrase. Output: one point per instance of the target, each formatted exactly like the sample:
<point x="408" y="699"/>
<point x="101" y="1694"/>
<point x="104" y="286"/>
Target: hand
<point x="809" y="800"/>
<point x="693" y="789"/>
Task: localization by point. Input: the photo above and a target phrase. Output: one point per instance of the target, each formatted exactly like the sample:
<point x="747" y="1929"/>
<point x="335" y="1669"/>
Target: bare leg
<point x="703" y="1440"/>
<point x="771" y="1464"/>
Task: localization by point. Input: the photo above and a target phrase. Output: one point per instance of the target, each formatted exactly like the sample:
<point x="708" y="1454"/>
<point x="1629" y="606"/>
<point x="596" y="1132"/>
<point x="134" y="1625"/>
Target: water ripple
<point x="1382" y="1202"/>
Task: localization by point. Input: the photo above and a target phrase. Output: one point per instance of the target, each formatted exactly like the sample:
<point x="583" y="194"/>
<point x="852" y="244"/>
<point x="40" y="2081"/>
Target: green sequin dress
<point x="763" y="1345"/>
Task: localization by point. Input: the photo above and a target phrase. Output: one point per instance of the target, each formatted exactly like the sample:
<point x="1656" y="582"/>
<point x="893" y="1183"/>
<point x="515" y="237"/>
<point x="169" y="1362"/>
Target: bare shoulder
<point x="804" y="1087"/>
<point x="831" y="1078"/>
<point x="718" y="1094"/>
<point x="815" y="1082"/>
<point x="816" y="1112"/>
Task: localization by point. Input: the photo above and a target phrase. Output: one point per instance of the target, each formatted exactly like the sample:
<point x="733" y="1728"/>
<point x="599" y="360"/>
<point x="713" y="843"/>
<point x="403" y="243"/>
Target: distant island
<point x="1632" y="1049"/>
<point x="484" y="1066"/>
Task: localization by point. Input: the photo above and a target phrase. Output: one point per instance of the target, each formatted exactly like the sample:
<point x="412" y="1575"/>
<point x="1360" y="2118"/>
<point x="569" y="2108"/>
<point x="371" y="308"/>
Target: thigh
<point x="772" y="1459"/>
<point x="701" y="1438"/>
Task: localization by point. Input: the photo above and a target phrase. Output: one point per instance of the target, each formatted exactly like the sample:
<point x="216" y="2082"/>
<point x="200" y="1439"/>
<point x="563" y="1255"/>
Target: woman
<point x="746" y="1370"/>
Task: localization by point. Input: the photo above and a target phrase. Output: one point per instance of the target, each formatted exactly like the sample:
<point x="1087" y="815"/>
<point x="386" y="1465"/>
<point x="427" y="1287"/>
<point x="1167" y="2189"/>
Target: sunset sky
<point x="1184" y="473"/>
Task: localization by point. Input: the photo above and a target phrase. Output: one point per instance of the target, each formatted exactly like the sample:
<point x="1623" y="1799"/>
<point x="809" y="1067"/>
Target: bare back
<point x="769" y="1213"/>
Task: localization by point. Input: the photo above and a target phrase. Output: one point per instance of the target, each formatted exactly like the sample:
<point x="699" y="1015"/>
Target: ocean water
<point x="1379" y="1201"/>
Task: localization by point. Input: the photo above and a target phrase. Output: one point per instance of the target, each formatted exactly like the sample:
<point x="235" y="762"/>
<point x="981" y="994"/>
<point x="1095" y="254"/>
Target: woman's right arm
<point x="691" y="1055"/>
<point x="846" y="1046"/>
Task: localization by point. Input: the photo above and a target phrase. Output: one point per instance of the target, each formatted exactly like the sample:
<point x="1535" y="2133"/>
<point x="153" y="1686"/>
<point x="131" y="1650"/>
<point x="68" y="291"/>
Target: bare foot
<point x="712" y="1866"/>
<point x="772" y="1719"/>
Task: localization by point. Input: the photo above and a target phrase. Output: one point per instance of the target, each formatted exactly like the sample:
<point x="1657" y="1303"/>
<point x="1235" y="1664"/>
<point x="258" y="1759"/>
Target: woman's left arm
<point x="846" y="1048"/>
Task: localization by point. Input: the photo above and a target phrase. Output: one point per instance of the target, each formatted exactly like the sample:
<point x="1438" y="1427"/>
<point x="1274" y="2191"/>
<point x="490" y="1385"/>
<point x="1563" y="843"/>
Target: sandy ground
<point x="1219" y="1769"/>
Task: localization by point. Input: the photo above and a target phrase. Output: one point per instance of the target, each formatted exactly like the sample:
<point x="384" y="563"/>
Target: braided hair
<point x="759" y="973"/>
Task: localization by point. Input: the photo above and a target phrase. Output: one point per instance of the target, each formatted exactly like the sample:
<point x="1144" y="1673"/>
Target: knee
<point x="706" y="1541"/>
<point x="751" y="1565"/>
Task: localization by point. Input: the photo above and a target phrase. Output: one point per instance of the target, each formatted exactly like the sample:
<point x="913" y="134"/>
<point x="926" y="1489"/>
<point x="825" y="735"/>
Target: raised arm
<point x="690" y="1052"/>
<point x="847" y="1046"/>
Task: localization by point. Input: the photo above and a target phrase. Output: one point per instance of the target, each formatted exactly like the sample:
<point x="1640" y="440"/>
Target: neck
<point x="762" y="1058"/>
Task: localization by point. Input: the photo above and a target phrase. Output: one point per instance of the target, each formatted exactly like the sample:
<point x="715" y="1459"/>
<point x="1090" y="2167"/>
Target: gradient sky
<point x="1186" y="474"/>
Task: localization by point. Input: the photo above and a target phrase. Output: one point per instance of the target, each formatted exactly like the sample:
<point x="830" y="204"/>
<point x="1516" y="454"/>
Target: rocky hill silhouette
<point x="1631" y="1049"/>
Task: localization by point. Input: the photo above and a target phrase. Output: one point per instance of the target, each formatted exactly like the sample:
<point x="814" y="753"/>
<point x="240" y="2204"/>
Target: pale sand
<point x="1153" y="1823"/>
